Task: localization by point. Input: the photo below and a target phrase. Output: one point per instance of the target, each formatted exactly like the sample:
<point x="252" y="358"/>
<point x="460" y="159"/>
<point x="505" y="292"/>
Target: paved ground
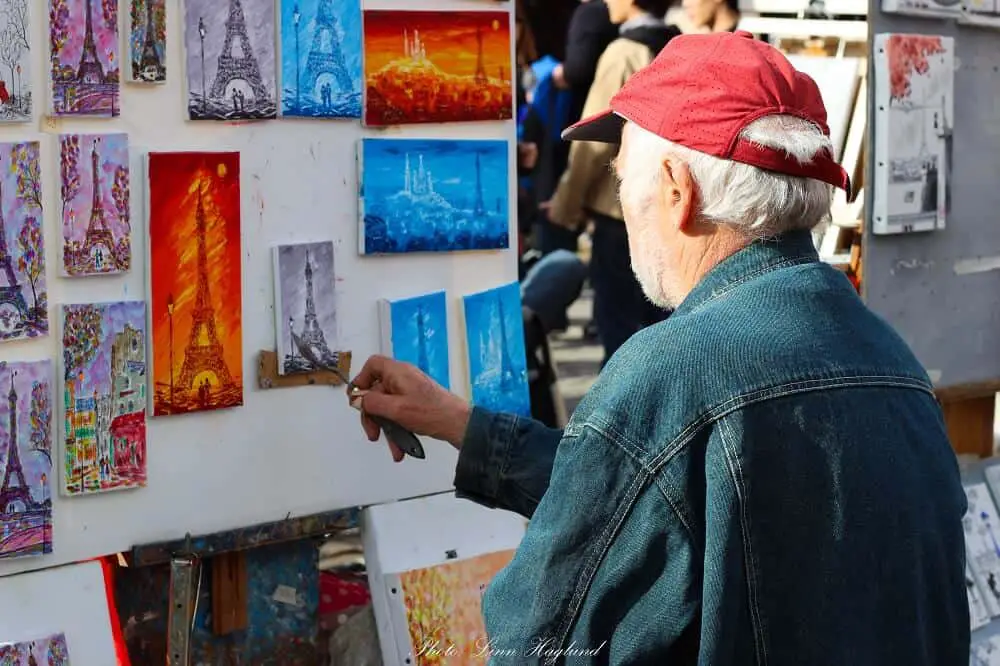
<point x="577" y="359"/>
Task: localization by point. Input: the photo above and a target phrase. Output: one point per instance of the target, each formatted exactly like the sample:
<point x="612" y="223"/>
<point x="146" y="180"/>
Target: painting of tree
<point x="120" y="194"/>
<point x="82" y="335"/>
<point x="59" y="20"/>
<point x="30" y="260"/>
<point x="69" y="168"/>
<point x="109" y="10"/>
<point x="908" y="55"/>
<point x="24" y="164"/>
<point x="41" y="419"/>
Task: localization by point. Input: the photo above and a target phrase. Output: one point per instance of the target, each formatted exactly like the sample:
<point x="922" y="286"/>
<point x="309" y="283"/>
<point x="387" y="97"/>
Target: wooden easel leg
<point x="229" y="592"/>
<point x="970" y="424"/>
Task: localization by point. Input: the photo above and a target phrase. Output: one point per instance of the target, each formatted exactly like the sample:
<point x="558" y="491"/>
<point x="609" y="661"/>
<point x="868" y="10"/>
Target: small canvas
<point x="24" y="307"/>
<point x="433" y="195"/>
<point x="914" y="113"/>
<point x="494" y="332"/>
<point x="230" y="54"/>
<point x="16" y="36"/>
<point x="415" y="330"/>
<point x="96" y="206"/>
<point x="305" y="308"/>
<point x="84" y="57"/>
<point x="48" y="651"/>
<point x="104" y="396"/>
<point x="321" y="58"/>
<point x="26" y="453"/>
<point x="984" y="13"/>
<point x="982" y="544"/>
<point x="444" y="609"/>
<point x="147" y="41"/>
<point x="437" y="66"/>
<point x="196" y="287"/>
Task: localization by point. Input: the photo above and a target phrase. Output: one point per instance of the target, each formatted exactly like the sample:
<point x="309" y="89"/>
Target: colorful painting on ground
<point x="83" y="51"/>
<point x="15" y="61"/>
<point x="444" y="609"/>
<point x="50" y="651"/>
<point x="321" y="58"/>
<point x="494" y="333"/>
<point x="433" y="195"/>
<point x="229" y="48"/>
<point x="415" y="330"/>
<point x="305" y="311"/>
<point x="147" y="41"/>
<point x="436" y="67"/>
<point x="24" y="307"/>
<point x="195" y="273"/>
<point x="104" y="396"/>
<point x="94" y="171"/>
<point x="26" y="452"/>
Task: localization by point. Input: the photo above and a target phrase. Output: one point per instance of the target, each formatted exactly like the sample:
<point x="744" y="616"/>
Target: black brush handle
<point x="399" y="436"/>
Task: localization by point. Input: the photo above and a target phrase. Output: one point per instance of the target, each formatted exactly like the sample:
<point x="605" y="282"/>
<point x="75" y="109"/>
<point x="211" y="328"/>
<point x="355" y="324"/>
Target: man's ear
<point x="678" y="192"/>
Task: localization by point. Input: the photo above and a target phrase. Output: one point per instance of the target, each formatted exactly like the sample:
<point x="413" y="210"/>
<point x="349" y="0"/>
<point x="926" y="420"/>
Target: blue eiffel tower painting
<point x="494" y="334"/>
<point x="416" y="330"/>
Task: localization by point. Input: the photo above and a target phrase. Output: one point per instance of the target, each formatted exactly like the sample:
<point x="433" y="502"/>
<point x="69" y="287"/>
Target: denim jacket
<point x="763" y="479"/>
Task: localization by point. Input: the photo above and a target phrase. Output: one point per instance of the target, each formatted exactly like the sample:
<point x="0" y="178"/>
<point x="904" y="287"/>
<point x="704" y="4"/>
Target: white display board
<point x="421" y="533"/>
<point x="69" y="600"/>
<point x="288" y="451"/>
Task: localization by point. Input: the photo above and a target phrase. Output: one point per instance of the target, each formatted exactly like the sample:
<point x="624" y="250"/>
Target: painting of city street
<point x="15" y="61"/>
<point x="229" y="49"/>
<point x="104" y="396"/>
<point x="415" y="330"/>
<point x="321" y="58"/>
<point x="196" y="285"/>
<point x="26" y="452"/>
<point x="147" y="41"/>
<point x="24" y="308"/>
<point x="83" y="53"/>
<point x="95" y="193"/>
<point x="494" y="333"/>
<point x="433" y="195"/>
<point x="305" y="311"/>
<point x="49" y="651"/>
<point x="436" y="67"/>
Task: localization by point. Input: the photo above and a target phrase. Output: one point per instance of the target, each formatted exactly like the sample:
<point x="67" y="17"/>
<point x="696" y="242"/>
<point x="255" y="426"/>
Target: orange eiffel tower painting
<point x="196" y="287"/>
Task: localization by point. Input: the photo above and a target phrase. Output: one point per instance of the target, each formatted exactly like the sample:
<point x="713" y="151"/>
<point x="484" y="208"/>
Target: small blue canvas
<point x="419" y="334"/>
<point x="433" y="195"/>
<point x="321" y="58"/>
<point x="494" y="333"/>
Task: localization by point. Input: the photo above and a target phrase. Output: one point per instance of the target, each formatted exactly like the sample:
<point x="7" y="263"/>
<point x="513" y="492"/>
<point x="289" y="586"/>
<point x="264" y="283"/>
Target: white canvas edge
<point x="279" y="337"/>
<point x="982" y="488"/>
<point x="360" y="159"/>
<point x="967" y="17"/>
<point x="385" y="327"/>
<point x="386" y="617"/>
<point x="944" y="170"/>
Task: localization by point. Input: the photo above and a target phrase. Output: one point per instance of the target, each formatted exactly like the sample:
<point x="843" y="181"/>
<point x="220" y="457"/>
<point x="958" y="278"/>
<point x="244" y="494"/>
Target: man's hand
<point x="402" y="393"/>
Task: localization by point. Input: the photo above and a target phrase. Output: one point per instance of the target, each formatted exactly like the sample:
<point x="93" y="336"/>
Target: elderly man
<point x="765" y="477"/>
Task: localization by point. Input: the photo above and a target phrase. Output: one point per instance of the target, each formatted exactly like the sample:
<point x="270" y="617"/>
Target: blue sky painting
<point x="420" y="334"/>
<point x="433" y="195"/>
<point x="494" y="334"/>
<point x="321" y="58"/>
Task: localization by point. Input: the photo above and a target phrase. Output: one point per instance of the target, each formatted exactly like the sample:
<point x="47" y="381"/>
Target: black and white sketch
<point x="986" y="652"/>
<point x="982" y="544"/>
<point x="914" y="97"/>
<point x="305" y="306"/>
<point x="15" y="61"/>
<point x="979" y="614"/>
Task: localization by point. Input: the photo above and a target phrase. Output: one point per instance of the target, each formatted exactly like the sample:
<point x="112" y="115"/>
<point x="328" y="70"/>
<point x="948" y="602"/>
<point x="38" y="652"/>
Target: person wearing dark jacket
<point x="590" y="32"/>
<point x="588" y="190"/>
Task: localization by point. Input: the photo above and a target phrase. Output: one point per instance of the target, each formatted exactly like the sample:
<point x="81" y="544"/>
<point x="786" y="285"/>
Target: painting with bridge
<point x="230" y="55"/>
<point x="321" y="58"/>
<point x="84" y="57"/>
<point x="26" y="453"/>
<point x="104" y="396"/>
<point x="195" y="281"/>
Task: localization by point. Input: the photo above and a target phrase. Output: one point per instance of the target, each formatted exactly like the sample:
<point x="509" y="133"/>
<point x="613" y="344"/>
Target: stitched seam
<point x="739" y="483"/>
<point x="505" y="461"/>
<point x="604" y="429"/>
<point x="764" y="270"/>
<point x="680" y="516"/>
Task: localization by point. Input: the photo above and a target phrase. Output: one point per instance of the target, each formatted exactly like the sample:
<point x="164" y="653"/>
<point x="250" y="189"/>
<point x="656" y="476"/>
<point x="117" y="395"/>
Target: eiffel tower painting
<point x="230" y="59"/>
<point x="87" y="82"/>
<point x="497" y="362"/>
<point x="415" y="330"/>
<point x="305" y="305"/>
<point x="195" y="271"/>
<point x="321" y="58"/>
<point x="25" y="460"/>
<point x="147" y="41"/>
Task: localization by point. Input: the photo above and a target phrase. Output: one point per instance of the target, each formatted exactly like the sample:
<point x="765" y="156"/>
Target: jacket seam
<point x="724" y="289"/>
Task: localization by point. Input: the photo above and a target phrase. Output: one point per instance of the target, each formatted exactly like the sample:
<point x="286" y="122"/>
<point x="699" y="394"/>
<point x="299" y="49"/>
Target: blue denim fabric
<point x="763" y="478"/>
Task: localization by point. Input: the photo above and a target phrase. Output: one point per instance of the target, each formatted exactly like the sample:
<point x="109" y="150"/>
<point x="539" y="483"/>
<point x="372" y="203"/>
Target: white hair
<point x="757" y="202"/>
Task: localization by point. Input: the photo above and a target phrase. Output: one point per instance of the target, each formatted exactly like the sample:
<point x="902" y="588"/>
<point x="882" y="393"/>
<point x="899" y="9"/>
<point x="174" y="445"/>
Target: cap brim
<point x="605" y="127"/>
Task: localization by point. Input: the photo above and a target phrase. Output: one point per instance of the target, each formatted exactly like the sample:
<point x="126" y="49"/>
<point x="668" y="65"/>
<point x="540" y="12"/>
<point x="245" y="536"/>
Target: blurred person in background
<point x="710" y="15"/>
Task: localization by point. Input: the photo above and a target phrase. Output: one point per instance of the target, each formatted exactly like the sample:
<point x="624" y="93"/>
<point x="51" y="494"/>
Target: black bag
<point x="541" y="373"/>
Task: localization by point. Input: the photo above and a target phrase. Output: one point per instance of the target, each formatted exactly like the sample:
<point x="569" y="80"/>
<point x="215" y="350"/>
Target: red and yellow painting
<point x="444" y="609"/>
<point x="196" y="288"/>
<point x="436" y="67"/>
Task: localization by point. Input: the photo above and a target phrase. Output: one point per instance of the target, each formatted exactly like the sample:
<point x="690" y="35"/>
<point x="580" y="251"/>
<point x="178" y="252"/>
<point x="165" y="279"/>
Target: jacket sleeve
<point x="505" y="461"/>
<point x="589" y="160"/>
<point x="590" y="32"/>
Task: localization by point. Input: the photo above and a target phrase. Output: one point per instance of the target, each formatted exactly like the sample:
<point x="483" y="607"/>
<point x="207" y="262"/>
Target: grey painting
<point x="229" y="48"/>
<point x="305" y="307"/>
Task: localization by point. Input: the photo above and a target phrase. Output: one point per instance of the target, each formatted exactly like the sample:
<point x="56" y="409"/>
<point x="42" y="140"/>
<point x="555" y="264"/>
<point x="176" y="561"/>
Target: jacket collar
<point x="761" y="256"/>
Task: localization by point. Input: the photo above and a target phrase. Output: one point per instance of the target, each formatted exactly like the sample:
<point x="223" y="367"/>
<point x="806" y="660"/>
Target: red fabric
<point x="121" y="651"/>
<point x="337" y="594"/>
<point x="702" y="90"/>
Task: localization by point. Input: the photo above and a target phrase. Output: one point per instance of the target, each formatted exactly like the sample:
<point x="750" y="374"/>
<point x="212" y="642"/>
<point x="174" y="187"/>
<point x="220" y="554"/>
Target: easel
<point x="968" y="415"/>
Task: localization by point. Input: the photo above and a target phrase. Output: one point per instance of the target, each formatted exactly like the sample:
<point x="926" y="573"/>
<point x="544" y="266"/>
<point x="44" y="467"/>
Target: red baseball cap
<point x="702" y="90"/>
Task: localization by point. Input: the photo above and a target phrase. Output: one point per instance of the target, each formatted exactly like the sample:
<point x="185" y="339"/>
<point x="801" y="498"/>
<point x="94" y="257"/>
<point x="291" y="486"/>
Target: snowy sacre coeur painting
<point x="433" y="195"/>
